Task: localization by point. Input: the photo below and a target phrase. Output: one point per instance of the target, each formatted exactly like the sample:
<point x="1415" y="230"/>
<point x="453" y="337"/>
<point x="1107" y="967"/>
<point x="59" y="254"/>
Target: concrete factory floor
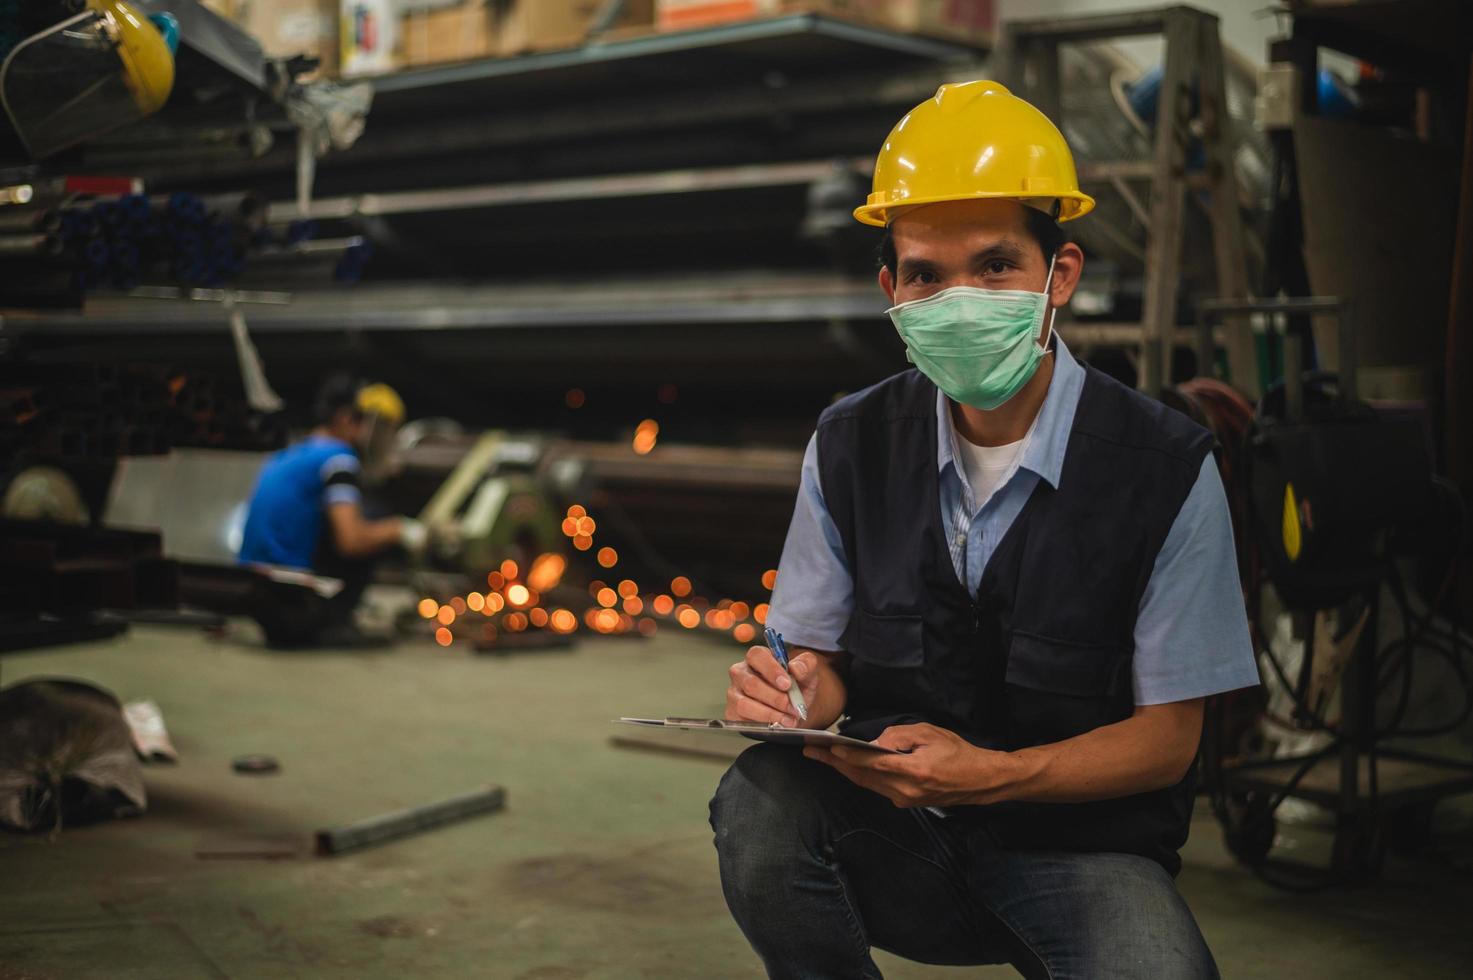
<point x="601" y="866"/>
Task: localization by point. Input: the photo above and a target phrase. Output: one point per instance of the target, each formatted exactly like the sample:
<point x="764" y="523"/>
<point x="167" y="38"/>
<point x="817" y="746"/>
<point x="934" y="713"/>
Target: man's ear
<point x="887" y="283"/>
<point x="1068" y="267"/>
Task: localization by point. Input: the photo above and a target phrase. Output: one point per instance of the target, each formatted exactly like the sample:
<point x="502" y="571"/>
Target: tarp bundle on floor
<point x="66" y="756"/>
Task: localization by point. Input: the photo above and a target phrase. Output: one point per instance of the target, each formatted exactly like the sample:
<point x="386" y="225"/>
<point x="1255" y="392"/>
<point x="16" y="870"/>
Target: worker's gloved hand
<point x="414" y="536"/>
<point x="759" y="687"/>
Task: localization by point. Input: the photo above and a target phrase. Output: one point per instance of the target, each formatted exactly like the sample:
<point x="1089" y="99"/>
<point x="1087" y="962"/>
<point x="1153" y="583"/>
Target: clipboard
<point x="755" y="730"/>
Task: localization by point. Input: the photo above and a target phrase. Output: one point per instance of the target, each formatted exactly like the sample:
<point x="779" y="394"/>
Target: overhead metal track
<point x="572" y="189"/>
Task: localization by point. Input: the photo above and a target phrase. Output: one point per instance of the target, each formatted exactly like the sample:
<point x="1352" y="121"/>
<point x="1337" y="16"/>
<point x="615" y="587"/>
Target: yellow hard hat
<point x="381" y="400"/>
<point x="148" y="64"/>
<point x="973" y="140"/>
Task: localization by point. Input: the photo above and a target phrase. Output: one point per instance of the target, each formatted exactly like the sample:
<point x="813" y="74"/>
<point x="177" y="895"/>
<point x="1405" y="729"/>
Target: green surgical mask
<point x="980" y="346"/>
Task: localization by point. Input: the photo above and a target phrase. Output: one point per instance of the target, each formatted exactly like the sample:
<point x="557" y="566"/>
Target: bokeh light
<point x="608" y="557"/>
<point x="663" y="605"/>
<point x="494" y="603"/>
<point x="628" y="587"/>
<point x="582" y="542"/>
<point x="446" y="615"/>
<point x="459" y="605"/>
<point x="547" y="571"/>
<point x="634" y="605"/>
<point x="586" y="526"/>
<point x="577" y="511"/>
<point x="648" y="627"/>
<point x="475" y="602"/>
<point x="607" y="597"/>
<point x="563" y="621"/>
<point x="518" y="595"/>
<point x="680" y="585"/>
<point x="759" y="613"/>
<point x="496" y="581"/>
<point x="509" y="569"/>
<point x="444" y="637"/>
<point x="575" y="398"/>
<point x="428" y="608"/>
<point x="538" y="617"/>
<point x="744" y="632"/>
<point x="769" y="579"/>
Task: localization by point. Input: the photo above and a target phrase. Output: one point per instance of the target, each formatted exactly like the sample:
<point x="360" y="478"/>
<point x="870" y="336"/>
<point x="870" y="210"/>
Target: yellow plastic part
<point x="1293" y="540"/>
<point x="973" y="140"/>
<point x="381" y="400"/>
<point x="148" y="64"/>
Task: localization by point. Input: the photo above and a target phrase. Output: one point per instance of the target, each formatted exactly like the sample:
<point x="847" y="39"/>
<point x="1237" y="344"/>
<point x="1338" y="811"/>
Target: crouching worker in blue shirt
<point x="306" y="514"/>
<point x="1013" y="569"/>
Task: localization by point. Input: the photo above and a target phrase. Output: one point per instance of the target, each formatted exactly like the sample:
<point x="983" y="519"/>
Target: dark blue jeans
<point x="817" y="870"/>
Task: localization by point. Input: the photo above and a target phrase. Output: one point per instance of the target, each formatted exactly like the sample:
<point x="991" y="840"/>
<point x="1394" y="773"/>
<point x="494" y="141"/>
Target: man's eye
<point x="924" y="278"/>
<point x="997" y="267"/>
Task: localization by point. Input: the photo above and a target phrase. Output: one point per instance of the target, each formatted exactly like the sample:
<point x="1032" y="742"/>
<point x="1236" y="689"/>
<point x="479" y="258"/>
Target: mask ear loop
<point x="1048" y="310"/>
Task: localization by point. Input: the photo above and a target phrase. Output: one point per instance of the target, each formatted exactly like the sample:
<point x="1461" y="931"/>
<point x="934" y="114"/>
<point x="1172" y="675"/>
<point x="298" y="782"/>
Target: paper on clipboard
<point x="755" y="730"/>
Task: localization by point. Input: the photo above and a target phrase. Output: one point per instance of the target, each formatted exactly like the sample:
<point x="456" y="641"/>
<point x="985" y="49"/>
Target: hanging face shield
<point x="104" y="68"/>
<point x="382" y="411"/>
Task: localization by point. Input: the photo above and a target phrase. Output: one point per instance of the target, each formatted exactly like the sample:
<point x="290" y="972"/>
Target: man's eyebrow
<point x="1005" y="249"/>
<point x="912" y="265"/>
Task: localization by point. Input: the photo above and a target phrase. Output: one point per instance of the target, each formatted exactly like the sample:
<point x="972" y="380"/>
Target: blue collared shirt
<point x="1191" y="632"/>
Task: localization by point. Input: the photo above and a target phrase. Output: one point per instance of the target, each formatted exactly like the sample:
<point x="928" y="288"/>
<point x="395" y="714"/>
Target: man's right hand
<point x="759" y="687"/>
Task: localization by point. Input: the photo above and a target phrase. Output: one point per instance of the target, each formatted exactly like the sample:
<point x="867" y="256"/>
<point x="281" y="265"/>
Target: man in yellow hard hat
<point x="1012" y="571"/>
<point x="306" y="514"/>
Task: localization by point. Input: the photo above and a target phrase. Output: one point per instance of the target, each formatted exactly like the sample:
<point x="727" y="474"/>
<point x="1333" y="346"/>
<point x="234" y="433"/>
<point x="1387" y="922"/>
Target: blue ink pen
<point x="780" y="654"/>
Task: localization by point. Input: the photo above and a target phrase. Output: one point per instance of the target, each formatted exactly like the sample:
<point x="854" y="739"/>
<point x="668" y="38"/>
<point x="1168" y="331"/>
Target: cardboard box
<point x="684" y="15"/>
<point x="291" y="27"/>
<point x="971" y="21"/>
<point x="486" y="28"/>
<point x="456" y="33"/>
<point x="549" y="25"/>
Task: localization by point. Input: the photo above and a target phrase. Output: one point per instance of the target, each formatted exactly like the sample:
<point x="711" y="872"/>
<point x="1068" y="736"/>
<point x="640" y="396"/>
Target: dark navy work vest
<point x="1043" y="651"/>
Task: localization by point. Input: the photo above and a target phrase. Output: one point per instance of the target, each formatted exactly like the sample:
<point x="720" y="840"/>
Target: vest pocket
<point x="1056" y="690"/>
<point x="887" y="641"/>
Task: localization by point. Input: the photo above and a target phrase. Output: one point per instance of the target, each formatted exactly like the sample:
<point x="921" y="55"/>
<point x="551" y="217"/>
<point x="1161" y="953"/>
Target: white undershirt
<point x="987" y="467"/>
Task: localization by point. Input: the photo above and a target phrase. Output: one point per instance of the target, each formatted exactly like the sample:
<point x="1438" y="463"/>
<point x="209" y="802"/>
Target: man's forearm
<point x="1150" y="750"/>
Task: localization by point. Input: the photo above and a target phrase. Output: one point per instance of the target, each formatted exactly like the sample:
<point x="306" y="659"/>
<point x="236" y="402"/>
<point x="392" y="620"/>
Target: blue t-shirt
<point x="286" y="513"/>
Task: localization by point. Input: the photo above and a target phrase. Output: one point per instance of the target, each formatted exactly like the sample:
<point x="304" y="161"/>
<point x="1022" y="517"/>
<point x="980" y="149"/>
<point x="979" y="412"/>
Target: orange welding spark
<point x="634" y="605"/>
<point x="586" y="526"/>
<point x="590" y="616"/>
<point x="744" y="633"/>
<point x="444" y="637"/>
<point x="663" y="604"/>
<point x="570" y="526"/>
<point x="582" y="542"/>
<point x="740" y="610"/>
<point x="680" y="585"/>
<point x="597" y="586"/>
<point x="518" y="595"/>
<point x="628" y="587"/>
<point x="563" y="621"/>
<point x="538" y="617"/>
<point x="428" y="608"/>
<point x="607" y="597"/>
<point x="769" y="579"/>
<point x="713" y="619"/>
<point x="608" y="557"/>
<point x="446" y="615"/>
<point x="496" y="581"/>
<point x="689" y="618"/>
<point x="626" y="623"/>
<point x="759" y="612"/>
<point x="458" y="604"/>
<point x="514" y="622"/>
<point x="475" y="602"/>
<point x="575" y="398"/>
<point x="724" y="620"/>
<point x="547" y="571"/>
<point x="576" y="512"/>
<point x="608" y="620"/>
<point x="494" y="603"/>
<point x="648" y="627"/>
<point x="644" y="443"/>
<point x="509" y="569"/>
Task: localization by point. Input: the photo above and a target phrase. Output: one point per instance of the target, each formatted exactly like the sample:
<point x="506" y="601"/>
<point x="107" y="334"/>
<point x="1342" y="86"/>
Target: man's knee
<point x="1139" y="924"/>
<point x="766" y="786"/>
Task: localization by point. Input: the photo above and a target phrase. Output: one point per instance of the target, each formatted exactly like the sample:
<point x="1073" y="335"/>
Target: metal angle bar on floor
<point x="571" y="189"/>
<point x="402" y="823"/>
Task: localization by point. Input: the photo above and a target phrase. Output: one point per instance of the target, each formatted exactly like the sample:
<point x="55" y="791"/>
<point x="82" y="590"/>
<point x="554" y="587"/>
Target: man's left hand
<point x="939" y="768"/>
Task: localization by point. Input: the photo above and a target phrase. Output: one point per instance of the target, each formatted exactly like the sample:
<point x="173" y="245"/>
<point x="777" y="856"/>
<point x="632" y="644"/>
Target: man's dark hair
<point x="338" y="392"/>
<point x="1044" y="230"/>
